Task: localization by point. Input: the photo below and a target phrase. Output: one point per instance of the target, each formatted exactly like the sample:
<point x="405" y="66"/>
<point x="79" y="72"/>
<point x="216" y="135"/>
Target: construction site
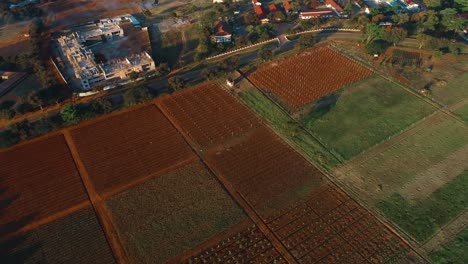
<point x="103" y="54"/>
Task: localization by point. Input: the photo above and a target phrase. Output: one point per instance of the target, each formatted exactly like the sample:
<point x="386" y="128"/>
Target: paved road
<point x="157" y="85"/>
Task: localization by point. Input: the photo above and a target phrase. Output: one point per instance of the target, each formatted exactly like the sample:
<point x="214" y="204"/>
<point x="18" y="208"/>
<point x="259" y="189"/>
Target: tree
<point x="136" y="95"/>
<point x="400" y="18"/>
<point x="434" y="4"/>
<point x="133" y="75"/>
<point x="461" y="5"/>
<point x="427" y="20"/>
<point x="363" y="21"/>
<point x="450" y="21"/>
<point x="230" y="64"/>
<point x="374" y="32"/>
<point x="162" y="69"/>
<point x="101" y="106"/>
<point x="306" y="40"/>
<point x="176" y="83"/>
<point x="69" y="114"/>
<point x="377" y="46"/>
<point x="265" y="54"/>
<point x="209" y="74"/>
<point x="396" y="35"/>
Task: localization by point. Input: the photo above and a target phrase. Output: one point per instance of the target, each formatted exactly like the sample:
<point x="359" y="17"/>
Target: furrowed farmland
<point x="417" y="179"/>
<point x="173" y="213"/>
<point x="39" y="179"/>
<point x="207" y="114"/>
<point x="307" y="77"/>
<point x="124" y="149"/>
<point x="77" y="238"/>
<point x="244" y="243"/>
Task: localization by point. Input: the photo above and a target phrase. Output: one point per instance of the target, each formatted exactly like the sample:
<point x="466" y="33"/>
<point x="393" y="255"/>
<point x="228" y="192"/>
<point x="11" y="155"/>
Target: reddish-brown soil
<point x="266" y="171"/>
<point x="208" y="114"/>
<point x="39" y="179"/>
<point x="307" y="76"/>
<point x="329" y="227"/>
<point x="244" y="243"/>
<point x="125" y="148"/>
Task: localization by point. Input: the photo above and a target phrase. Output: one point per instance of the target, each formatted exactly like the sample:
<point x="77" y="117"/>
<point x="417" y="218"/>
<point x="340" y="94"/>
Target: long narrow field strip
<point x="126" y="148"/>
<point x="266" y="171"/>
<point x="244" y="243"/>
<point x="207" y="114"/>
<point x="307" y="76"/>
<point x="77" y="238"/>
<point x="39" y="179"/>
<point x="172" y="213"/>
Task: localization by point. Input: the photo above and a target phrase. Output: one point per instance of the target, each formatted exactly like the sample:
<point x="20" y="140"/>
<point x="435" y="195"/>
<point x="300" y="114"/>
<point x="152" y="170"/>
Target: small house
<point x="222" y="32"/>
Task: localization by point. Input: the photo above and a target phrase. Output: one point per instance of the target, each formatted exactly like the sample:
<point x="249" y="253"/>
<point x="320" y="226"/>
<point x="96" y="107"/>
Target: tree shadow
<point x="19" y="248"/>
<point x="321" y="107"/>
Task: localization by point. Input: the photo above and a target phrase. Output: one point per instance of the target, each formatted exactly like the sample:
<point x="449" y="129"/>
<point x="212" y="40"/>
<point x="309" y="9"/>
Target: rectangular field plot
<point x="207" y="114"/>
<point x="364" y="115"/>
<point x="329" y="227"/>
<point x="307" y="76"/>
<point x="453" y="251"/>
<point x="417" y="179"/>
<point x="170" y="214"/>
<point x="38" y="179"/>
<point x="264" y="170"/>
<point x="244" y="243"/>
<point x="125" y="148"/>
<point x="77" y="238"/>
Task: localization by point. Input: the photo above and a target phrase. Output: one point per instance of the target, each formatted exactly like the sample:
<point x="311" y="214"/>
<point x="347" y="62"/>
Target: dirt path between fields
<point x="447" y="233"/>
<point x="103" y="214"/>
<point x="436" y="176"/>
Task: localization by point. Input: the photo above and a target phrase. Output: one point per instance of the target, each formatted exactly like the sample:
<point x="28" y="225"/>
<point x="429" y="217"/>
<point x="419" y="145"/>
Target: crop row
<point x="208" y="114"/>
<point x="248" y="245"/>
<point x="308" y="76"/>
<point x="129" y="146"/>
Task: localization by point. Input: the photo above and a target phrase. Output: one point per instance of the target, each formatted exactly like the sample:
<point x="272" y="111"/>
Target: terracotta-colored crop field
<point x="245" y="243"/>
<point x="208" y="114"/>
<point x="124" y="149"/>
<point x="264" y="170"/>
<point x="77" y="238"/>
<point x="38" y="179"/>
<point x="329" y="227"/>
<point x="307" y="76"/>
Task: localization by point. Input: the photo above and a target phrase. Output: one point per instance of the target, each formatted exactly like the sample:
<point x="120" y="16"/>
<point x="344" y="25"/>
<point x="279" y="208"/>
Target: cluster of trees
<point x="260" y="33"/>
<point x="8" y="15"/>
<point x="228" y="65"/>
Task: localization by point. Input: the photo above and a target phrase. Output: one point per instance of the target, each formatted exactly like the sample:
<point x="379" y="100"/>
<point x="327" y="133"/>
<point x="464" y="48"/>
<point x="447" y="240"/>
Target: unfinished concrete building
<point x="76" y="50"/>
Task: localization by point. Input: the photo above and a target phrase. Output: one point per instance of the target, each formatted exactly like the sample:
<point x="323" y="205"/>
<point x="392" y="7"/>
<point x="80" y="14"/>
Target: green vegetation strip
<point x="454" y="252"/>
<point x="462" y="112"/>
<point x="365" y="114"/>
<point x="423" y="219"/>
<point x="289" y="128"/>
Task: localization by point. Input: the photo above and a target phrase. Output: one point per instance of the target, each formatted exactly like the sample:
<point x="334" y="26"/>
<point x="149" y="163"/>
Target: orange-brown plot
<point x="121" y="150"/>
<point x="264" y="170"/>
<point x="307" y="76"/>
<point x="38" y="179"/>
<point x="207" y="114"/>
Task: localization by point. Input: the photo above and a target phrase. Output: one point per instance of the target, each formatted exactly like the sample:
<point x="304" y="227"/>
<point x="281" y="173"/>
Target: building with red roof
<point x="273" y="8"/>
<point x="315" y="13"/>
<point x="287" y="6"/>
<point x="333" y="5"/>
<point x="222" y="32"/>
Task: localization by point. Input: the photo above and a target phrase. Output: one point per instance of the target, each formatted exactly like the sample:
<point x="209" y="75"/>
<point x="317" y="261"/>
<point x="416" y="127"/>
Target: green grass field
<point x="462" y="112"/>
<point x="172" y="213"/>
<point x="453" y="92"/>
<point x="288" y="128"/>
<point x="423" y="219"/>
<point x="367" y="113"/>
<point x="454" y="252"/>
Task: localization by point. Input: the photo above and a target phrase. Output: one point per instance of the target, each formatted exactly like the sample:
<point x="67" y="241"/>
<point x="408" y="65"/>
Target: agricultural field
<point x="207" y="114"/>
<point x="363" y="115"/>
<point x="454" y="251"/>
<point x="264" y="170"/>
<point x="244" y="243"/>
<point x="308" y="76"/>
<point x="462" y="111"/>
<point x="172" y="213"/>
<point x="417" y="179"/>
<point x="287" y="127"/>
<point x="77" y="238"/>
<point x="123" y="149"/>
<point x="39" y="180"/>
<point x="329" y="227"/>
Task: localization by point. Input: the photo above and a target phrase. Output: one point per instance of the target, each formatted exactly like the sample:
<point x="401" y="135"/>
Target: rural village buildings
<point x="87" y="72"/>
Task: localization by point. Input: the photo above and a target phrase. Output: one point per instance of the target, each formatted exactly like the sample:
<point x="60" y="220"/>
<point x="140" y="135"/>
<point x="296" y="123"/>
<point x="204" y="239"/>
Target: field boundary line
<point x="100" y="209"/>
<point x="233" y="193"/>
<point x="48" y="219"/>
<point x="340" y="160"/>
